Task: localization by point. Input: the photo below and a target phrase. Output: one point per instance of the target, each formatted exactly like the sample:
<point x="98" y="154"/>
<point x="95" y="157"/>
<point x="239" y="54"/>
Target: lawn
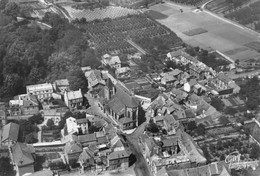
<point x="195" y="31"/>
<point x="254" y="45"/>
<point x="222" y="35"/>
<point x="155" y="15"/>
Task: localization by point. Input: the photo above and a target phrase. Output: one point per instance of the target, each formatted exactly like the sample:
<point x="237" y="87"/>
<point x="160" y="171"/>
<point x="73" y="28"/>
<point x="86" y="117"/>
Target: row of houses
<point x="217" y="83"/>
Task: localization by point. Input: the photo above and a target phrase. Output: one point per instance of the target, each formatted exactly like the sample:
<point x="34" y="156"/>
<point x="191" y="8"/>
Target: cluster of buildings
<point x="168" y="99"/>
<point x="51" y="100"/>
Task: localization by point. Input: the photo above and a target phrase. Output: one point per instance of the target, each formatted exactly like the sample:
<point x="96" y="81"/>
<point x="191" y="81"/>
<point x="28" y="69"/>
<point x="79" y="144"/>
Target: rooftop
<point x="10" y="131"/>
<point x="74" y="94"/>
<point x="39" y="87"/>
<point x="62" y="82"/>
<point x="118" y="154"/>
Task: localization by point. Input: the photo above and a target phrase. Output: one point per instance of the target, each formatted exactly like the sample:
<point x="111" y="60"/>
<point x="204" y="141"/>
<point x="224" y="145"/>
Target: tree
<point x="12" y="9"/>
<point x="224" y="120"/>
<point x="3" y="3"/>
<point x="30" y="138"/>
<point x="217" y="103"/>
<point x="12" y="85"/>
<point x="90" y="59"/>
<point x="230" y="111"/>
<point x="201" y="130"/>
<point x="77" y="80"/>
<point x="191" y="125"/>
<point x="152" y="127"/>
<point x="50" y="124"/>
<point x="6" y="167"/>
<point x="255" y="151"/>
<point x="93" y="129"/>
<point x="36" y="75"/>
<point x="36" y="119"/>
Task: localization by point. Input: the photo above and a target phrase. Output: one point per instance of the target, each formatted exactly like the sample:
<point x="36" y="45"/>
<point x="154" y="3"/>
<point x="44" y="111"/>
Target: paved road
<point x="141" y="166"/>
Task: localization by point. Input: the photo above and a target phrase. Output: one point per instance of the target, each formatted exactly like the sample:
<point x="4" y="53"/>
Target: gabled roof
<point x="22" y="154"/>
<point x="10" y="131"/>
<point x="80" y="121"/>
<point x="62" y="82"/>
<point x="86" y="155"/>
<point x="126" y="97"/>
<point x="74" y="94"/>
<point x="158" y="118"/>
<point x="38" y="87"/>
<point x="113" y="60"/>
<point x="95" y="76"/>
<point x="116" y="105"/>
<point x="72" y="147"/>
<point x="169" y="142"/>
<point x="102" y="140"/>
<point x="125" y="120"/>
<point x="87" y="138"/>
<point x="118" y="154"/>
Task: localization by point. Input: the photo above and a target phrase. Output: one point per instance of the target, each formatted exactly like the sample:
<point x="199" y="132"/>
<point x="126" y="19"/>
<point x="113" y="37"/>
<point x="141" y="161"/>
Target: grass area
<point x="221" y="36"/>
<point x="254" y="45"/>
<point x="155" y="15"/>
<point x="195" y="31"/>
<point x="224" y="6"/>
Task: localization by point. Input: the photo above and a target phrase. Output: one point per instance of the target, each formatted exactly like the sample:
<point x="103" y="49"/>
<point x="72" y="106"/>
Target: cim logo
<point x="233" y="158"/>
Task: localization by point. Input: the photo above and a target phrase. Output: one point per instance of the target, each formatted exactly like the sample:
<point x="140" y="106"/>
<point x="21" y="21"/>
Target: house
<point x="3" y="116"/>
<point x="53" y="114"/>
<point x="102" y="142"/>
<point x="147" y="96"/>
<point x="83" y="125"/>
<point x="22" y="158"/>
<point x="170" y="124"/>
<point x="199" y="71"/>
<point x="169" y="146"/>
<point x="173" y="56"/>
<point x="72" y="125"/>
<point x="94" y="78"/>
<point x="4" y="152"/>
<point x="87" y="139"/>
<point x="123" y="104"/>
<point x="123" y="72"/>
<point x="95" y="121"/>
<point x="118" y="159"/>
<point x="42" y="91"/>
<point x="24" y="104"/>
<point x="86" y="159"/>
<point x="224" y="85"/>
<point x="9" y="134"/>
<point x="30" y="106"/>
<point x="72" y="151"/>
<point x="127" y="123"/>
<point x="73" y="99"/>
<point x="168" y="78"/>
<point x="61" y="85"/>
<point x="112" y="61"/>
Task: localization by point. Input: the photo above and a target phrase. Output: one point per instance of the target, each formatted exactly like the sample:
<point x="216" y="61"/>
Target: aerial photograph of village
<point x="129" y="87"/>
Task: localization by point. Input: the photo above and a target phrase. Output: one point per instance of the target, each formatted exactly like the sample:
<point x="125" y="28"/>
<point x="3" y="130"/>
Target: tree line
<point x="31" y="55"/>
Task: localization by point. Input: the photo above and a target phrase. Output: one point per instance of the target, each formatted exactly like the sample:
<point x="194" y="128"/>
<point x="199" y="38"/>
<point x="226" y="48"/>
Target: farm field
<point x="221" y="35"/>
<point x="109" y="36"/>
<point x="108" y="12"/>
<point x="223" y="7"/>
<point x="248" y="15"/>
